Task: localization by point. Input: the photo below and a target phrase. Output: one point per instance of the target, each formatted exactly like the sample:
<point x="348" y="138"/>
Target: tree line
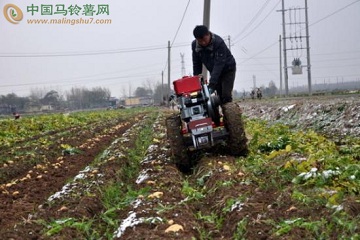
<point x="38" y="100"/>
<point x="74" y="99"/>
<point x="98" y="97"/>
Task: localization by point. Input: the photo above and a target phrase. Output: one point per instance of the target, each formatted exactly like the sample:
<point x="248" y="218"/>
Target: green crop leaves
<point x="69" y="150"/>
<point x="190" y="192"/>
<point x="278" y="144"/>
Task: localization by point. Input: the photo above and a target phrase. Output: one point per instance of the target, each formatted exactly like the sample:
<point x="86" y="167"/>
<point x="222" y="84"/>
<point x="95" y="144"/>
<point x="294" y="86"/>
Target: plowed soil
<point x="26" y="187"/>
<point x="66" y="186"/>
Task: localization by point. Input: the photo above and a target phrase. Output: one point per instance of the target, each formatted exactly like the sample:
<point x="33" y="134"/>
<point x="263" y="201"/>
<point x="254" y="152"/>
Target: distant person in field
<point x="252" y="94"/>
<point x="259" y="93"/>
<point x="210" y="49"/>
<point x="16" y="115"/>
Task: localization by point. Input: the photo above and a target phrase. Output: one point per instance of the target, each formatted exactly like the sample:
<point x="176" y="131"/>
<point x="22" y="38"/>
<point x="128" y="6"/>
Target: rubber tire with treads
<point x="234" y="124"/>
<point x="178" y="148"/>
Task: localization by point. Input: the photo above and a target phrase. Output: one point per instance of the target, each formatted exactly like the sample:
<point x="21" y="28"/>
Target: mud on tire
<point x="178" y="148"/>
<point x="237" y="142"/>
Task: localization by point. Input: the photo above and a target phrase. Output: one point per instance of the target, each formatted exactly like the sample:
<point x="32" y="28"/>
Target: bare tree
<point x="37" y="93"/>
<point x="148" y="85"/>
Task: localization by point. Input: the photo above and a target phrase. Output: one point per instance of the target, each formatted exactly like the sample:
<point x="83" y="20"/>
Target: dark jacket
<point x="216" y="57"/>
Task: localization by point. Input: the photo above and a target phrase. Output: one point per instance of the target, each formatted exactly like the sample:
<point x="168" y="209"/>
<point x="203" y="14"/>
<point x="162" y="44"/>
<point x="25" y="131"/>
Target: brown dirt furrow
<point x="24" y="157"/>
<point x="166" y="206"/>
<point x="20" y="200"/>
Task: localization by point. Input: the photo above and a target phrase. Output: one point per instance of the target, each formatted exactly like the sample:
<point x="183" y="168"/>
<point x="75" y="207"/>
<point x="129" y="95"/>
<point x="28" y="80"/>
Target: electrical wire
<point x="66" y="54"/>
<point x="70" y="54"/>
<point x="152" y="48"/>
<point x="337" y="11"/>
<point x="81" y="79"/>
<point x="177" y="31"/>
<point x="258" y="25"/>
<point x="253" y="19"/>
<point x="309" y="26"/>
<point x="270" y="46"/>
<point x="182" y="19"/>
<point x="331" y="14"/>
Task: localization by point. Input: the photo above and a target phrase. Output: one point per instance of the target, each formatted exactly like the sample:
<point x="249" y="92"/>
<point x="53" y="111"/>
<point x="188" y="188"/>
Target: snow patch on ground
<point x="332" y="115"/>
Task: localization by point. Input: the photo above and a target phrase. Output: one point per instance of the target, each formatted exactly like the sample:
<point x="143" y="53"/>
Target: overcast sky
<point x="132" y="50"/>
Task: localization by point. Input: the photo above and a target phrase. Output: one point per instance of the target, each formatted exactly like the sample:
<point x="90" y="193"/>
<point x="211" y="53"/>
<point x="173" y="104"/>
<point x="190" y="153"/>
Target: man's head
<point x="202" y="35"/>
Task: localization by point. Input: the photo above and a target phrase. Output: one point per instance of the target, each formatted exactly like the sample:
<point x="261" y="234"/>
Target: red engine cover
<point x="187" y="85"/>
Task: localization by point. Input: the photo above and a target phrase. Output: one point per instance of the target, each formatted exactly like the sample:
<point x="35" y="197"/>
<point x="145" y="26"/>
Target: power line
<point x="66" y="54"/>
<point x="340" y="75"/>
<point x="80" y="79"/>
<point x="319" y="54"/>
<point x="253" y="19"/>
<point x="177" y="31"/>
<point x="258" y="25"/>
<point x="87" y="53"/>
<point x="337" y="53"/>
<point x="182" y="19"/>
<point x="329" y="15"/>
<point x="337" y="11"/>
<point x="271" y="45"/>
<point x="309" y="26"/>
<point x="91" y="77"/>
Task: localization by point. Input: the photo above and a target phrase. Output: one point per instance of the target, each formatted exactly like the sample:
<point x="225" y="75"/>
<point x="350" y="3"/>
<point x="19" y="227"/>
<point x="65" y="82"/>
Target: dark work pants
<point x="225" y="86"/>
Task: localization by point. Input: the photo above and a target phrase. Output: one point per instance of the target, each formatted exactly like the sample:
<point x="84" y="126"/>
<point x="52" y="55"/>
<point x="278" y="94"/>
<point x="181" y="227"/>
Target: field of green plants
<point x="109" y="175"/>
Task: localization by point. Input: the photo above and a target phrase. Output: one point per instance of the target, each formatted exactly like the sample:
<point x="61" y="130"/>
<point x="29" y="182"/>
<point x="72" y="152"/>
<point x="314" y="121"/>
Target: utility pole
<point x="254" y="81"/>
<point x="297" y="36"/>
<point x="281" y="87"/>
<point x="284" y="46"/>
<point x="168" y="89"/>
<point x="229" y="42"/>
<point x="308" y="48"/>
<point x="182" y="65"/>
<point x="162" y="88"/>
<point x="206" y="19"/>
<point x="206" y="22"/>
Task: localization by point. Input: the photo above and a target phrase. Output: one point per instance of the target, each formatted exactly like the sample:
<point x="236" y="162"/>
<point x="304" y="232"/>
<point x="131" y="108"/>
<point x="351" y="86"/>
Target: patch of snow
<point x="142" y="176"/>
<point x="136" y="203"/>
<point x="82" y="174"/>
<point x="336" y="207"/>
<point x="63" y="220"/>
<point x="130" y="221"/>
<point x="120" y="155"/>
<point x="237" y="205"/>
<point x="306" y="175"/>
<point x="184" y="200"/>
<point x="65" y="189"/>
<point x="152" y="148"/>
<point x="330" y="173"/>
<point x="292" y="221"/>
<point x="288" y="108"/>
<point x="123" y="140"/>
<point x="311" y="173"/>
<point x="331" y="192"/>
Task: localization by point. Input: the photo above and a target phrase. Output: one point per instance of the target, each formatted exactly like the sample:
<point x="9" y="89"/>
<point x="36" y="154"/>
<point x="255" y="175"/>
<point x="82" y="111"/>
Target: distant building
<point x="139" y="101"/>
<point x="32" y="107"/>
<point x="114" y="102"/>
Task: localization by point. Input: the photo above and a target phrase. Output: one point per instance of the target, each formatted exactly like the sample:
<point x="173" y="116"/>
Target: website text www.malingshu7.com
<point x="69" y="21"/>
